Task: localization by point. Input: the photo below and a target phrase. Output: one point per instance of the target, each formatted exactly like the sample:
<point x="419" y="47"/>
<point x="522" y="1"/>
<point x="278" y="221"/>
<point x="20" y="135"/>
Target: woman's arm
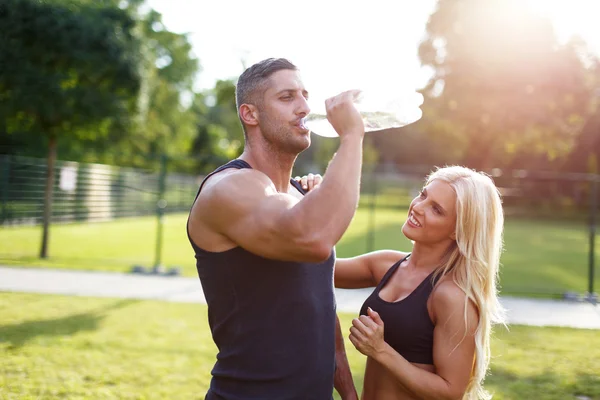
<point x="453" y="347"/>
<point x="361" y="271"/>
<point x="365" y="270"/>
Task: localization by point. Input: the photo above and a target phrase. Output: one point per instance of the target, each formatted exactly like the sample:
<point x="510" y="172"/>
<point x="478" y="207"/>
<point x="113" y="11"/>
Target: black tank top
<point x="273" y="323"/>
<point x="407" y="326"/>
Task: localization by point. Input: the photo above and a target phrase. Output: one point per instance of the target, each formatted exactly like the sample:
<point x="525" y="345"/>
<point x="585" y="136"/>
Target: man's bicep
<point x="258" y="227"/>
<point x="243" y="200"/>
<point x="255" y="217"/>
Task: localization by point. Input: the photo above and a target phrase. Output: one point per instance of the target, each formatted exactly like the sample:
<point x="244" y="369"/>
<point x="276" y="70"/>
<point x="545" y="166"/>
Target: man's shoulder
<point x="235" y="181"/>
<point x="232" y="194"/>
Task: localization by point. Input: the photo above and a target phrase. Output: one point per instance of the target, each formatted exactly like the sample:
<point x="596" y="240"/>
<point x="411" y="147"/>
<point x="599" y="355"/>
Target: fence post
<point x="371" y="224"/>
<point x="592" y="255"/>
<point x="160" y="211"/>
<point x="4" y="181"/>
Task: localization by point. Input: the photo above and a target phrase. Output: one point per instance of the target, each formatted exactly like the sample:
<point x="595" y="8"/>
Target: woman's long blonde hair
<point x="474" y="260"/>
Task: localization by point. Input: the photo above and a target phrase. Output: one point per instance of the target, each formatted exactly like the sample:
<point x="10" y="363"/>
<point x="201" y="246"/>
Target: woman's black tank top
<point x="408" y="329"/>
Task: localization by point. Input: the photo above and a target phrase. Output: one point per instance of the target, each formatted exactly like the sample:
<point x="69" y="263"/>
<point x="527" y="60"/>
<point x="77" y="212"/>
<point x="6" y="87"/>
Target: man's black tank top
<point x="408" y="327"/>
<point x="273" y="323"/>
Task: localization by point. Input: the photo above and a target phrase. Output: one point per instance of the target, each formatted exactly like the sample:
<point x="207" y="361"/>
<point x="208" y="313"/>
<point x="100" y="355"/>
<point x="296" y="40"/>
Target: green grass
<point x="61" y="347"/>
<point x="541" y="257"/>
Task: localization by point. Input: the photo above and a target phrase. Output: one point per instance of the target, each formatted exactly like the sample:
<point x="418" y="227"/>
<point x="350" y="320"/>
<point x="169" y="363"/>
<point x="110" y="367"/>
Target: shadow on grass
<point x="545" y="385"/>
<point x="21" y="333"/>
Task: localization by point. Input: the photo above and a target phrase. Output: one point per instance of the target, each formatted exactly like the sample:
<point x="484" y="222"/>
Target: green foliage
<point x="66" y="68"/>
<point x="586" y="153"/>
<point x="224" y="112"/>
<point x="219" y="135"/>
<point x="169" y="123"/>
<point x="111" y="81"/>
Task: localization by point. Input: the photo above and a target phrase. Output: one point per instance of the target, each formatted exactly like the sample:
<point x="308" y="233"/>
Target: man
<point x="265" y="248"/>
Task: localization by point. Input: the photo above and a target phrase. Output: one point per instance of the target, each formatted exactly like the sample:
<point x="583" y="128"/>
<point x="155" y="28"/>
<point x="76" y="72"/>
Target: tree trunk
<point x="48" y="196"/>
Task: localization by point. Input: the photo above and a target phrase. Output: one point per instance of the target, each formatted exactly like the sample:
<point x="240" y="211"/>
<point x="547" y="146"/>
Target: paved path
<point x="536" y="312"/>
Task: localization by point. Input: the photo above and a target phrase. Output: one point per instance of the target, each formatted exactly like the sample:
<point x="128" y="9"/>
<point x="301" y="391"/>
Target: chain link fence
<point x="86" y="192"/>
<point x="116" y="218"/>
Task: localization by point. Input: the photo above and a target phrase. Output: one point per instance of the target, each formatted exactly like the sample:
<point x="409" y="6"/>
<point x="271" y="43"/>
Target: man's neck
<point x="275" y="165"/>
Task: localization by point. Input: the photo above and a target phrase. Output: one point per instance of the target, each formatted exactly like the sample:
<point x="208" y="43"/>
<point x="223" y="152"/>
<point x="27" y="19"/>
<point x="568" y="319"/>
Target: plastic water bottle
<point x="379" y="112"/>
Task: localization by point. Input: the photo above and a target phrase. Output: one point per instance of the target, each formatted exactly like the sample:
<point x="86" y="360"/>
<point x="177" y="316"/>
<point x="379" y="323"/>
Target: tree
<point x="68" y="70"/>
<point x="224" y="112"/>
<point x="164" y="123"/>
<point x="211" y="146"/>
<point x="503" y="88"/>
<point x="219" y="134"/>
<point x="169" y="125"/>
<point x="585" y="156"/>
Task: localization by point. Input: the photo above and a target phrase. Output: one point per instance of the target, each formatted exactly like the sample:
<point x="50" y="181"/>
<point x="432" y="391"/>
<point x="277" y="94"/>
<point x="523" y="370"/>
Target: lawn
<point x="541" y="257"/>
<point x="61" y="347"/>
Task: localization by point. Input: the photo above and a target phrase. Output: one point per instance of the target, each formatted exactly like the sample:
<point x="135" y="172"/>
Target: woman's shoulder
<point x="447" y="290"/>
<point x="383" y="260"/>
<point x="448" y="298"/>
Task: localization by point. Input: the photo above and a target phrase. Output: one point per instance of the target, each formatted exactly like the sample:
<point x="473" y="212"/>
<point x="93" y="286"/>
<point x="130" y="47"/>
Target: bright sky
<point x="337" y="44"/>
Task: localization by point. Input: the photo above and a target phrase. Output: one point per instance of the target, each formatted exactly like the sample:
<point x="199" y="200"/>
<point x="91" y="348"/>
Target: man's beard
<point x="282" y="138"/>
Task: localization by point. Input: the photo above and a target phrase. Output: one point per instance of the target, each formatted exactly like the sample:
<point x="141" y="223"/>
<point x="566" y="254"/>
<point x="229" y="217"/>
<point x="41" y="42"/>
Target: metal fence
<point x="86" y="192"/>
<point x="549" y="234"/>
<point x="550" y="228"/>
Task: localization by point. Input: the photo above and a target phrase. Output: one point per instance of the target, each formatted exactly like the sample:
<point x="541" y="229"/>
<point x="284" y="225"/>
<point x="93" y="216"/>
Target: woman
<point x="426" y="327"/>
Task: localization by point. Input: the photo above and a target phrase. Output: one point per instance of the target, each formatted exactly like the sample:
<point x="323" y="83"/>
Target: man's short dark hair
<point x="252" y="83"/>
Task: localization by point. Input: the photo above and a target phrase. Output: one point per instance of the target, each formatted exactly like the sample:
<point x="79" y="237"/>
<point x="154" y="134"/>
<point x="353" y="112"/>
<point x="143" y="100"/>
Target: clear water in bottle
<point x="379" y="112"/>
